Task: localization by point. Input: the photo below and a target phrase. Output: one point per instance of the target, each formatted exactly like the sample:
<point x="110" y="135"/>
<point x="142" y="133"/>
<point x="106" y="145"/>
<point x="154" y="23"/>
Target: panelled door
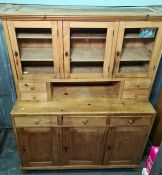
<point x="124" y="145"/>
<point x="38" y="146"/>
<point x="83" y="145"/>
<point x="87" y="49"/>
<point x="137" y="50"/>
<point x="35" y="48"/>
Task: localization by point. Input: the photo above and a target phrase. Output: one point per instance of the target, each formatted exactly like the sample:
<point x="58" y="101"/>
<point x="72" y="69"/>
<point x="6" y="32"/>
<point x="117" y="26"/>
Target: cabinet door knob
<point x="36" y="122"/>
<point x="65" y="148"/>
<point x="34" y="97"/>
<point x="66" y="54"/>
<point x="131" y="121"/>
<point x="118" y="53"/>
<point x="32" y="88"/>
<point x="85" y="122"/>
<point x="16" y="54"/>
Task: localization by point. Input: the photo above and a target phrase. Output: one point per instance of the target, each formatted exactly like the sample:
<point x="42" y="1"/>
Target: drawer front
<point x="84" y="121"/>
<point x="130" y="120"/>
<point x="33" y="96"/>
<point x="32" y="87"/>
<point x="35" y="121"/>
<point x="137" y="84"/>
<point x="135" y="94"/>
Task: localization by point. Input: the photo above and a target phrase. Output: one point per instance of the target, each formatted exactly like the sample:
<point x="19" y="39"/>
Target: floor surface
<point x="9" y="162"/>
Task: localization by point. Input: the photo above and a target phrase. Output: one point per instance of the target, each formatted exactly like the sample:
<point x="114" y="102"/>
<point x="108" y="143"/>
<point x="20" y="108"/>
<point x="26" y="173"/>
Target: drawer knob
<point x="32" y="88"/>
<point x="36" y="122"/>
<point x="131" y="121"/>
<point x="85" y="122"/>
<point x="34" y="97"/>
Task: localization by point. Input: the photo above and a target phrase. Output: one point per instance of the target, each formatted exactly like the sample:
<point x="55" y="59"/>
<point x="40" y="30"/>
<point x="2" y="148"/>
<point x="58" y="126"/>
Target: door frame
<point x="111" y="30"/>
<point x="155" y="51"/>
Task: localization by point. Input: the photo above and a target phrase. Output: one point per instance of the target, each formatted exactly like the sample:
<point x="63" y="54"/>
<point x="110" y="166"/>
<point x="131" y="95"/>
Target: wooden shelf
<point x="36" y="54"/>
<point x="87" y="69"/>
<point x="87" y="54"/>
<point x="132" y="68"/>
<point x="38" y="70"/>
<point x="131" y="35"/>
<point x="88" y="36"/>
<point x="34" y="36"/>
<point x="85" y="91"/>
<point x="136" y="35"/>
<point x="135" y="54"/>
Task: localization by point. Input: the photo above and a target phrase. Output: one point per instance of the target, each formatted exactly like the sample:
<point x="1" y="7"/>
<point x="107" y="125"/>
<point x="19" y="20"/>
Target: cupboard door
<point x="124" y="145"/>
<point x="35" y="48"/>
<point x="38" y="146"/>
<point x="87" y="50"/>
<point x="83" y="146"/>
<point x="138" y="47"/>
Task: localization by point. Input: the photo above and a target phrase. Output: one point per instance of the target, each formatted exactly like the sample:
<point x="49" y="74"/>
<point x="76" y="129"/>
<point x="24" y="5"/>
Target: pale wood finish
<point x="96" y="115"/>
<point x="34" y="121"/>
<point x="34" y="96"/>
<point x="122" y="147"/>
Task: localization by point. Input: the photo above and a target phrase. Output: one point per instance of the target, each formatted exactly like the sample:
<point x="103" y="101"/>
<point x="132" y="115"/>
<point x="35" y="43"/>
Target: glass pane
<point x="87" y="48"/>
<point x="35" y="48"/>
<point x="137" y="48"/>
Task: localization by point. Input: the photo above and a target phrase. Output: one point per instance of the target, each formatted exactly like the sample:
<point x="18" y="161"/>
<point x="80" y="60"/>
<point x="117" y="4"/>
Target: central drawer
<point x="84" y="120"/>
<point x="35" y="121"/>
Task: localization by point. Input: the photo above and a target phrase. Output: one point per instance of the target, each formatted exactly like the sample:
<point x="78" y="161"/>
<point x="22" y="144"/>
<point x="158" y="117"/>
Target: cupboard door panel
<point x="38" y="146"/>
<point x="83" y="146"/>
<point x="124" y="145"/>
<point x="138" y="48"/>
<point x="86" y="49"/>
<point x="35" y="48"/>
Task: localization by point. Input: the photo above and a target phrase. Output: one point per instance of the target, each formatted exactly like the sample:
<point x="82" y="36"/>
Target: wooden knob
<point x="34" y="97"/>
<point x="26" y="85"/>
<point x="36" y="122"/>
<point x="66" y="54"/>
<point x="131" y="121"/>
<point x="85" y="122"/>
<point x="118" y="54"/>
<point x="32" y="88"/>
<point x="16" y="53"/>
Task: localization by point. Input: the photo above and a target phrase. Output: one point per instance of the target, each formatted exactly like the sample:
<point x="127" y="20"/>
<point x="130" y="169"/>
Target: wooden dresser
<point x="83" y="81"/>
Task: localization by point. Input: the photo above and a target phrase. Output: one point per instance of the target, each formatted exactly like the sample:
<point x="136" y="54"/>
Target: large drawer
<point x="84" y="121"/>
<point x="130" y="120"/>
<point x="24" y="121"/>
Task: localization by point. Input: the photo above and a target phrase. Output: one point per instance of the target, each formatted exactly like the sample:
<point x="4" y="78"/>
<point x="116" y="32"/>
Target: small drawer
<point x="33" y="96"/>
<point x="135" y="93"/>
<point x="35" y="121"/>
<point x="137" y="84"/>
<point x="130" y="120"/>
<point x="84" y="121"/>
<point x="32" y="87"/>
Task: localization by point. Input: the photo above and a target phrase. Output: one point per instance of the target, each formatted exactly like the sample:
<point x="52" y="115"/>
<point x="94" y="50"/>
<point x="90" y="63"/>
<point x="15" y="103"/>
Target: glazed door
<point x="137" y="50"/>
<point x="35" y="48"/>
<point x="83" y="146"/>
<point x="38" y="146"/>
<point x="124" y="145"/>
<point x="87" y="49"/>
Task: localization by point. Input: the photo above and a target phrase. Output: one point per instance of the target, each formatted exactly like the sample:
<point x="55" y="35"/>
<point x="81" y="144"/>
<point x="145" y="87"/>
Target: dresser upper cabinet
<point x="87" y="49"/>
<point x="69" y="49"/>
<point x="137" y="49"/>
<point x="35" y="48"/>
